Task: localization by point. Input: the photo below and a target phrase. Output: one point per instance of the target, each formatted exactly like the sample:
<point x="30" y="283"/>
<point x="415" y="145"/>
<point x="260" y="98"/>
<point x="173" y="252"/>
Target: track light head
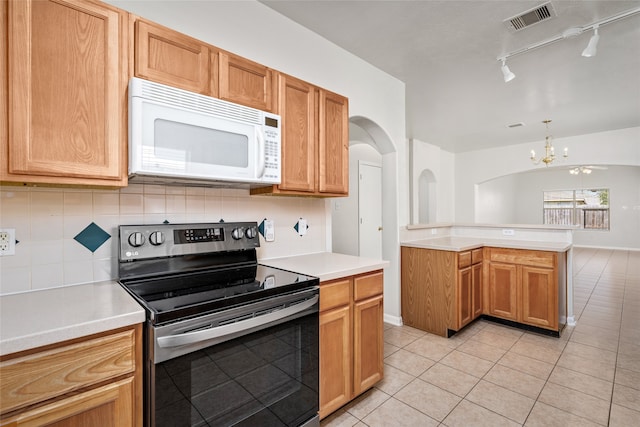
<point x="506" y="72"/>
<point x="592" y="47"/>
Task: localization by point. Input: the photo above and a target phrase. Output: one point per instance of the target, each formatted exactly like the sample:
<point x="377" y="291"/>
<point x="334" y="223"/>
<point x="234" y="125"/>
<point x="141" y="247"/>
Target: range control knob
<point x="237" y="233"/>
<point x="251" y="232"/>
<point x="156" y="238"/>
<point x="136" y="239"/>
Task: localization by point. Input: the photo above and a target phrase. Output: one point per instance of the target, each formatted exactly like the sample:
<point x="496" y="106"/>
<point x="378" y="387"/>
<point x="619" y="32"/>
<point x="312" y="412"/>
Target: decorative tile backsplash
<point x="69" y="236"/>
<point x="92" y="237"/>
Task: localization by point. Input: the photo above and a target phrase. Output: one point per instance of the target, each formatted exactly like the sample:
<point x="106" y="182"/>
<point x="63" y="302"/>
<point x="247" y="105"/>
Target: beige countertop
<point x="459" y="243"/>
<point x="326" y="265"/>
<point x="33" y="319"/>
<point x="37" y="318"/>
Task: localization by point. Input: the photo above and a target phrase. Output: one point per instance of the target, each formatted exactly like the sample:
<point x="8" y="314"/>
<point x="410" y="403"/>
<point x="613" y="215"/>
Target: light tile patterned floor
<point x="493" y="375"/>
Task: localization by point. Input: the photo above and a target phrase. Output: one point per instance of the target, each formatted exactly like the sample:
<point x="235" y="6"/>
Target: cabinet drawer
<point x="367" y="286"/>
<point x="524" y="257"/>
<point x="476" y="256"/>
<point x="464" y="259"/>
<point x="37" y="377"/>
<point x="335" y="294"/>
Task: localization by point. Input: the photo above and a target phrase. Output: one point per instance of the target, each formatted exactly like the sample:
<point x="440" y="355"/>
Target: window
<point x="587" y="209"/>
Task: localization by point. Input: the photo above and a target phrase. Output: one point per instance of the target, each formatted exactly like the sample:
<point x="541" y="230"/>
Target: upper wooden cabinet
<point x="65" y="103"/>
<point x="172" y="58"/>
<point x="167" y="56"/>
<point x="297" y="107"/>
<point x="315" y="140"/>
<point x="333" y="143"/>
<point x="245" y="82"/>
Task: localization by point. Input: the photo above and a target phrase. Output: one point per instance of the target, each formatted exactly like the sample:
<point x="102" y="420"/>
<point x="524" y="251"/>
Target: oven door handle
<point x="233" y="328"/>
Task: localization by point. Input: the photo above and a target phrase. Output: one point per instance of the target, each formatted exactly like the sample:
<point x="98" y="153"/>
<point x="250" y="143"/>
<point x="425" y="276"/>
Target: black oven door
<point x="259" y="369"/>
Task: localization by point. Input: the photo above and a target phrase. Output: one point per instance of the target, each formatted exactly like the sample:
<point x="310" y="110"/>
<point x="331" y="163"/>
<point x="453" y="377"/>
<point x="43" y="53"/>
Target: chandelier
<point x="549" y="153"/>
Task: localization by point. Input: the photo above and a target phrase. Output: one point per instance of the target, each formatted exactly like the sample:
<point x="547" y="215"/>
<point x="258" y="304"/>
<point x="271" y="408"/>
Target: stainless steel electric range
<point x="227" y="341"/>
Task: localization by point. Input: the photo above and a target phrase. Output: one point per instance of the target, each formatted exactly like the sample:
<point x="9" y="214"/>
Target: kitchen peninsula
<point x="516" y="275"/>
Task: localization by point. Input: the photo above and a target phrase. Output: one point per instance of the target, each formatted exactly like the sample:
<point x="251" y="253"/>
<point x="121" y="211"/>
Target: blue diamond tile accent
<point x="92" y="237"/>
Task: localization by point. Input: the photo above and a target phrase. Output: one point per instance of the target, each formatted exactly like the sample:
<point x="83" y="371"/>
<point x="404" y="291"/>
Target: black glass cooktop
<point x="185" y="295"/>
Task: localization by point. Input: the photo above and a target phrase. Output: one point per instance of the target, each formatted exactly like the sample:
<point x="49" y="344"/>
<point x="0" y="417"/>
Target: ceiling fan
<point x="585" y="169"/>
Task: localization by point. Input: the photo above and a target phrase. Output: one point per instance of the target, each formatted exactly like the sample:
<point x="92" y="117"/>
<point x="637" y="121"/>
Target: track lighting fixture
<point x="589" y="51"/>
<point x="592" y="47"/>
<point x="506" y="72"/>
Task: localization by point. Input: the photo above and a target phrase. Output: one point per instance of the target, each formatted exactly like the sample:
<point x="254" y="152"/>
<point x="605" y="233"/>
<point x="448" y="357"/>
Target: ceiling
<point x="446" y="53"/>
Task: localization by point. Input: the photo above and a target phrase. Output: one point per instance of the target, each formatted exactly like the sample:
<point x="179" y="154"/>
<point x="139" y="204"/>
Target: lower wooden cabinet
<point x="89" y="382"/>
<point x="368" y="347"/>
<point x="441" y="290"/>
<point x="523" y="286"/>
<point x="109" y="405"/>
<point x="351" y="338"/>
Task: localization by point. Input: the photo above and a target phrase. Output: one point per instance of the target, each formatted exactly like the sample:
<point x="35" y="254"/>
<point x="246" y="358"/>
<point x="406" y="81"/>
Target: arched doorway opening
<point x="370" y="145"/>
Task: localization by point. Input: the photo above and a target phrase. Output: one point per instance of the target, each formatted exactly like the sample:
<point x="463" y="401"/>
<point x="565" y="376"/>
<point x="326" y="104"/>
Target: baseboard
<point x="612" y="248"/>
<point x="392" y="320"/>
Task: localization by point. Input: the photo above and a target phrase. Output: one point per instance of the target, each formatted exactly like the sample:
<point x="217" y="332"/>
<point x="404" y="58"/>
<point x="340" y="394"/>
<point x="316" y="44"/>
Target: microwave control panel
<point x="272" y="153"/>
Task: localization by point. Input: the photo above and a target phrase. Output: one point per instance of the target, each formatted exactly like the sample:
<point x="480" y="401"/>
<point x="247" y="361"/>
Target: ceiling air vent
<point x="530" y="17"/>
<point x="515" y="125"/>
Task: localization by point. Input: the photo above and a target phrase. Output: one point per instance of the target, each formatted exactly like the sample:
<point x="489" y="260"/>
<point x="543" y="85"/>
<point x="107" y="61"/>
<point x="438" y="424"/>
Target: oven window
<point x="267" y="378"/>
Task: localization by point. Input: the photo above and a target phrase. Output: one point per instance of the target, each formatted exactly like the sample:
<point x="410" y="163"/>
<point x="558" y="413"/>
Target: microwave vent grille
<point x="195" y="102"/>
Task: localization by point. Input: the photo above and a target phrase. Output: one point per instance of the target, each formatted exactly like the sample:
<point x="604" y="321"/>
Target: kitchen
<point x="50" y="256"/>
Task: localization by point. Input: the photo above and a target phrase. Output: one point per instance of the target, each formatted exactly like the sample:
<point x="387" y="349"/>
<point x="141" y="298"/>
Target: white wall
<point x="623" y="183"/>
<point x="495" y="201"/>
<point x="619" y="147"/>
<point x="424" y="156"/>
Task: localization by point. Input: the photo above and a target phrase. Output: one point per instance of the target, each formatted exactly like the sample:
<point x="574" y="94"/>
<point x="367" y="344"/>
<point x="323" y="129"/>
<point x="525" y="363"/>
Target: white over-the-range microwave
<point x="177" y="136"/>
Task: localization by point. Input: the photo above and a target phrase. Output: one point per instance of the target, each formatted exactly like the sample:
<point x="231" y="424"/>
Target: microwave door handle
<point x="262" y="153"/>
<point x="233" y="328"/>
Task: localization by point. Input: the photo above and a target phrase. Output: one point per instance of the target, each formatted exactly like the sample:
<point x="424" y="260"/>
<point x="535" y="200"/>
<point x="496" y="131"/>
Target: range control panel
<point x="165" y="240"/>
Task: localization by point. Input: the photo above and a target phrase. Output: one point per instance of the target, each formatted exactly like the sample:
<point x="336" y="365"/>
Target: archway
<point x="377" y="143"/>
<point x="427" y="197"/>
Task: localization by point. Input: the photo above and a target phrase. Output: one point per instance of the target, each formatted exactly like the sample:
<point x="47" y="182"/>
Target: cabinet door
<point x="107" y="406"/>
<point x="539" y="297"/>
<point x="503" y="290"/>
<point x="333" y="143"/>
<point x="476" y="290"/>
<point x="367" y="344"/>
<point x="296" y="106"/>
<point x="172" y="58"/>
<point x="67" y="79"/>
<point x="245" y="82"/>
<point x="335" y="359"/>
<point x="464" y="303"/>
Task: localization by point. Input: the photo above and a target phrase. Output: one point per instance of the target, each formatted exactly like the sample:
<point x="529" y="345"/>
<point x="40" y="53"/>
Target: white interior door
<point x="370" y="210"/>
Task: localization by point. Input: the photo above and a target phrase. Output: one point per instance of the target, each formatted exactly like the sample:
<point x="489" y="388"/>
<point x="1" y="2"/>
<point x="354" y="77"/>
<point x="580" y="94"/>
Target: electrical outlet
<point x="7" y="241"/>
<point x="508" y="232"/>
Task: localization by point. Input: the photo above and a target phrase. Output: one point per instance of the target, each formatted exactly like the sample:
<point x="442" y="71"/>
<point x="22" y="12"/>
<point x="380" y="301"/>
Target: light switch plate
<point x="302" y="226"/>
<point x="269" y="230"/>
